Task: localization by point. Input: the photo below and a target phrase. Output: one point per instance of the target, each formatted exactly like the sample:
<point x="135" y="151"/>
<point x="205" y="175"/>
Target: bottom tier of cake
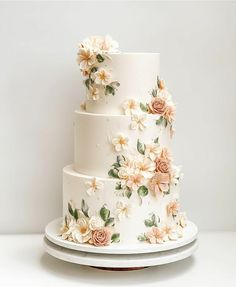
<point x="100" y="211"/>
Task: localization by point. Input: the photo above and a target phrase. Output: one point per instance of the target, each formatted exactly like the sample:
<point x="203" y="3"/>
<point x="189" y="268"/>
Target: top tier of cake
<point x="136" y="74"/>
<point x="112" y="78"/>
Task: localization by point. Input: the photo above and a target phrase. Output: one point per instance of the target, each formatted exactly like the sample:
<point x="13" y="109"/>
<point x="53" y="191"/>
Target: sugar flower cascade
<point x="92" y="53"/>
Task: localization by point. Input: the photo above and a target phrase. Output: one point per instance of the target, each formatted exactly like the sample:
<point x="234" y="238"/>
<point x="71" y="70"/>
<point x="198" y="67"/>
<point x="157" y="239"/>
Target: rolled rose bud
<point x="101" y="237"/>
<point x="161" y="85"/>
<point x="157" y="105"/>
<point x="163" y="165"/>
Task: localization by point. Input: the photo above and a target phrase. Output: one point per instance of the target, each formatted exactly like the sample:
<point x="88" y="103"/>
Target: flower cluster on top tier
<point x="79" y="227"/>
<point x="161" y="104"/>
<point x="161" y="232"/>
<point x="151" y="169"/>
<point x="93" y="52"/>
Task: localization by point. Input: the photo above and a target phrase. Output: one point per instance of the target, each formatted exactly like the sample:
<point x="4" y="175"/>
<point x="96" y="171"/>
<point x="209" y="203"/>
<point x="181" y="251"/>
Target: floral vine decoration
<point x="97" y="230"/>
<point x="149" y="170"/>
<point x="161" y="104"/>
<point x="92" y="58"/>
<point x="159" y="232"/>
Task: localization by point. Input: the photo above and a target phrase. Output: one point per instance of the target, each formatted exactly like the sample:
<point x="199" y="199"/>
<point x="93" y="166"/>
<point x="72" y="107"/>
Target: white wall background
<point x="40" y="86"/>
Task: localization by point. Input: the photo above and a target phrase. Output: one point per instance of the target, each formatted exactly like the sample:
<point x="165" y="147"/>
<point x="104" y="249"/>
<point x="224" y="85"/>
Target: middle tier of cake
<point x="100" y="138"/>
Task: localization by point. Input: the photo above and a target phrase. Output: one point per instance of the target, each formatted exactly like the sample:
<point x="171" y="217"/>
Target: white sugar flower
<point x="95" y="222"/>
<point x="123" y="210"/>
<point x="108" y="45"/>
<point x="182" y="219"/>
<point x="93" y="93"/>
<point x="86" y="58"/>
<point x="170" y="232"/>
<point x="127" y="162"/>
<point x="145" y="167"/>
<point x="93" y="43"/>
<point x="134" y="181"/>
<point x="176" y="175"/>
<point x="93" y="186"/>
<point x="127" y="168"/>
<point x="120" y="143"/>
<point x="152" y="150"/>
<point x="80" y="231"/>
<point x="163" y="93"/>
<point x="125" y="172"/>
<point x="65" y="230"/>
<point x="130" y="107"/>
<point x="102" y="77"/>
<point x="138" y="122"/>
<point x="180" y="231"/>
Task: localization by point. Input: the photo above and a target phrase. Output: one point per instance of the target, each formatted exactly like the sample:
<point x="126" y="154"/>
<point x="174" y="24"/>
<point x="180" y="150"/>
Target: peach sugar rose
<point x="157" y="105"/>
<point x="101" y="237"/>
<point x="163" y="165"/>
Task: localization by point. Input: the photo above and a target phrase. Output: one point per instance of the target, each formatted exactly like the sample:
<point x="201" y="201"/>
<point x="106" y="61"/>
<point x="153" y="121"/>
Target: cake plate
<point x="118" y="256"/>
<point x="122" y="261"/>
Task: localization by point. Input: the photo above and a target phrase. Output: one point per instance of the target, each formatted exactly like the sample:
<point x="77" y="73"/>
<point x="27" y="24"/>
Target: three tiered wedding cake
<point x="123" y="186"/>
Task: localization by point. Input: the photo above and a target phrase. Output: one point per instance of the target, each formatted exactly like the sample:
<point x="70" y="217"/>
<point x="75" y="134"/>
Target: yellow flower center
<point x="86" y="56"/>
<point x="167" y="230"/>
<point x="143" y="167"/>
<point x="124" y="209"/>
<point x="122" y="141"/>
<point x="94" y="185"/>
<point x="131" y="105"/>
<point x="102" y="76"/>
<point x="136" y="179"/>
<point x="83" y="229"/>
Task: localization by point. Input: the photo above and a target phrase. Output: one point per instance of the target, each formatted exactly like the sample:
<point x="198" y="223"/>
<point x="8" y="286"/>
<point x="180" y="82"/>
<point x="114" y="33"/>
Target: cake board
<point x="117" y="262"/>
<point x="116" y="257"/>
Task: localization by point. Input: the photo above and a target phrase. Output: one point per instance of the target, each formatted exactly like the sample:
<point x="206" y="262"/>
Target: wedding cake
<point x="123" y="187"/>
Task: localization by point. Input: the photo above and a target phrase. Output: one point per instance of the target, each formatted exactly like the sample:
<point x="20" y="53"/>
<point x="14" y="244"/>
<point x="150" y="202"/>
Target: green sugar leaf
<point x="109" y="90"/>
<point x="142" y="191"/>
<point x="113" y="173"/>
<point x="159" y="121"/>
<point x="104" y="213"/>
<point x="148" y="223"/>
<point x="140" y="147"/>
<point x="70" y="209"/>
<point x="118" y="186"/>
<point x="143" y="107"/>
<point x="115" y="237"/>
<point x="100" y="58"/>
<point x="84" y="208"/>
<point x="110" y="221"/>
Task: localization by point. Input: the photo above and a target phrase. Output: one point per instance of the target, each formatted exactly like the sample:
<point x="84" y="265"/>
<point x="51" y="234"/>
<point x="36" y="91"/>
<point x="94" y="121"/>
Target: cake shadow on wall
<point x="121" y="194"/>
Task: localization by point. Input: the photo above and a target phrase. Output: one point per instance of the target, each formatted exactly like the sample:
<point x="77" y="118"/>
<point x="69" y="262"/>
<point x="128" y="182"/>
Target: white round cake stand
<point x="126" y="262"/>
<point x="189" y="235"/>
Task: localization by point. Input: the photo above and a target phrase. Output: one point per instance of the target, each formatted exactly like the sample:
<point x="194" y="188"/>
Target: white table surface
<point x="23" y="262"/>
